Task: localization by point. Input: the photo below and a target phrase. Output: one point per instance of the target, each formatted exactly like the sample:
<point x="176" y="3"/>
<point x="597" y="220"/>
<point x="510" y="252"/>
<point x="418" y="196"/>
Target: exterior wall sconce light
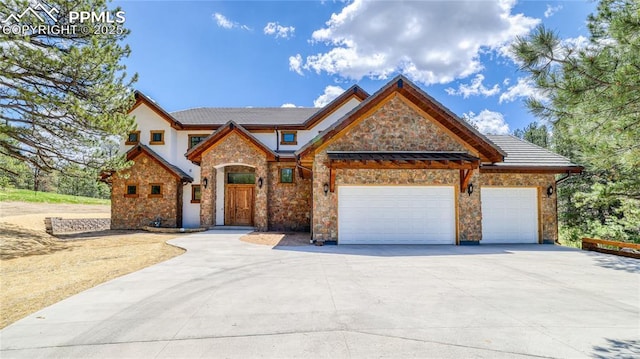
<point x="260" y="182"/>
<point x="550" y="191"/>
<point x="326" y="188"/>
<point x="205" y="182"/>
<point x="470" y="189"/>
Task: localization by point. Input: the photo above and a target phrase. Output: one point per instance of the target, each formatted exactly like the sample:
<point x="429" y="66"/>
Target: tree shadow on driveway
<point x="618" y="349"/>
<point x="416" y="250"/>
<point x="612" y="261"/>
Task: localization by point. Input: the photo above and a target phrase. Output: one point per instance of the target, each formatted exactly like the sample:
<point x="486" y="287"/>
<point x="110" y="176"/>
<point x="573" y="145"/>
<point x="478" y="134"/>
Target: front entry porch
<point x="235" y="195"/>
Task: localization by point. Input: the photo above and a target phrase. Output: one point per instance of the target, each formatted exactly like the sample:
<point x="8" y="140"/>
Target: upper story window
<point x="288" y="138"/>
<point x="286" y="175"/>
<point x="156" y="137"/>
<point x="133" y="138"/>
<point x="195" y="139"/>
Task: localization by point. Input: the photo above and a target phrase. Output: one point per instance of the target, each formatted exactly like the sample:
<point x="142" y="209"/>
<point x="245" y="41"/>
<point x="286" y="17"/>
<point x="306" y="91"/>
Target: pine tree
<point x="62" y="95"/>
<point x="594" y="107"/>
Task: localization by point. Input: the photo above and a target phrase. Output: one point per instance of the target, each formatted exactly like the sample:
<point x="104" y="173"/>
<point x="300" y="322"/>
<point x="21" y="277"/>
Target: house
<point x="392" y="167"/>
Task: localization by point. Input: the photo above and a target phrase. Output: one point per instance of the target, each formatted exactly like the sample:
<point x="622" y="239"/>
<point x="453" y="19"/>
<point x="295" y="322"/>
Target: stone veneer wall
<point x="548" y="208"/>
<point x="235" y="150"/>
<point x="136" y="212"/>
<point x="393" y="127"/>
<point x="289" y="203"/>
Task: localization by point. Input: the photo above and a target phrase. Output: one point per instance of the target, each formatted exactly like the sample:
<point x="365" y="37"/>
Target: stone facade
<point x="395" y="126"/>
<point x="134" y="212"/>
<point x="57" y="225"/>
<point x="289" y="203"/>
<point x="548" y="205"/>
<point x="233" y="150"/>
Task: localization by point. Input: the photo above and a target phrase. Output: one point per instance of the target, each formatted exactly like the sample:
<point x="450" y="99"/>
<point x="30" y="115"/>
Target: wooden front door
<point x="239" y="205"/>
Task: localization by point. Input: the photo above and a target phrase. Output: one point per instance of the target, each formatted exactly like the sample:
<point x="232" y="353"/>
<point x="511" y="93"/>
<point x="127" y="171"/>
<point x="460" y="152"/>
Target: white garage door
<point x="509" y="215"/>
<point x="396" y="215"/>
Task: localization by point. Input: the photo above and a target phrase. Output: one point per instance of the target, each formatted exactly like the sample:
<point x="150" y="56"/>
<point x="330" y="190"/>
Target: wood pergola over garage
<point x="462" y="161"/>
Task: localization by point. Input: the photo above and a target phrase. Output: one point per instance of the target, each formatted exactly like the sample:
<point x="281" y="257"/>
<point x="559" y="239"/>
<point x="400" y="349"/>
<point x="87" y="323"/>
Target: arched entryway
<point x="235" y="194"/>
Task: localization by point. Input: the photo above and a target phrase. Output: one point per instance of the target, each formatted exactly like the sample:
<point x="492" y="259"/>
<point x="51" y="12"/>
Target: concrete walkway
<point x="226" y="298"/>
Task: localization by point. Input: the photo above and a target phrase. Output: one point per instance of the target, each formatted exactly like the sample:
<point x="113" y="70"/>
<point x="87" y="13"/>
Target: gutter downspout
<point x="566" y="177"/>
<point x="277" y="139"/>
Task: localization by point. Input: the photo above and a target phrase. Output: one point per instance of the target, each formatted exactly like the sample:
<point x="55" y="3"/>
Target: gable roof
<point x="194" y="154"/>
<point x="140" y="149"/>
<point x="143" y="99"/>
<point x="426" y="103"/>
<point x="524" y="155"/>
<point x="251" y="118"/>
<point x="353" y="91"/>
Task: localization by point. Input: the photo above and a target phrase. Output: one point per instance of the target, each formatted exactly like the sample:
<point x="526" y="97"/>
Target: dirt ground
<point x="37" y="270"/>
<point x="277" y="238"/>
<point x="22" y="208"/>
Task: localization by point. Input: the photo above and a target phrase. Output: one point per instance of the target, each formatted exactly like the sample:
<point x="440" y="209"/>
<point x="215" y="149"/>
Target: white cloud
<point x="330" y="93"/>
<point x="475" y="88"/>
<point x="488" y="122"/>
<point x="523" y="88"/>
<point x="226" y="23"/>
<point x="295" y="64"/>
<point x="274" y="28"/>
<point x="578" y="43"/>
<point x="429" y="41"/>
<point x="288" y="105"/>
<point x="551" y="10"/>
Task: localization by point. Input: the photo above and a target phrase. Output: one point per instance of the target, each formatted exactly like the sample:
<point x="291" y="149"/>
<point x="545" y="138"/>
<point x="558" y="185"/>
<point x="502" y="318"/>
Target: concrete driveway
<point x="226" y="298"/>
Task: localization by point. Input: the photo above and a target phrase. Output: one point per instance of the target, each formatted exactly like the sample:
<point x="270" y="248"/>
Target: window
<point x="157" y="137"/>
<point x="156" y="190"/>
<point x="195" y="139"/>
<point x="288" y="138"/>
<point x="286" y="175"/>
<point x="132" y="190"/>
<point x="133" y="138"/>
<point x="195" y="193"/>
<point x="241" y="178"/>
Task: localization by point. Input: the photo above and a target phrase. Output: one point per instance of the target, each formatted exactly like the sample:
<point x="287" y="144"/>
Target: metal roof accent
<point x="401" y="156"/>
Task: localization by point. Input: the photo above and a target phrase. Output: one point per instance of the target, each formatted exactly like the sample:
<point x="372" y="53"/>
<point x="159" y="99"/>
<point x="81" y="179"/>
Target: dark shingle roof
<point x="244" y="116"/>
<point x="523" y="153"/>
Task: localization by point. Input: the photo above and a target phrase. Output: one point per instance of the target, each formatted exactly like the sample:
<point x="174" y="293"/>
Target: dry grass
<point x="44" y="269"/>
<point x="277" y="238"/>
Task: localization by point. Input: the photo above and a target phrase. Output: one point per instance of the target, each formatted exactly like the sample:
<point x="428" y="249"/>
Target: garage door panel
<point x="396" y="214"/>
<point x="509" y="215"/>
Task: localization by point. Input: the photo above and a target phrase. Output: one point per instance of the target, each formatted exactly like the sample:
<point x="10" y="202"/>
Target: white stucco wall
<point x="306" y="136"/>
<point x="176" y="145"/>
<point x="147" y="120"/>
<point x="190" y="211"/>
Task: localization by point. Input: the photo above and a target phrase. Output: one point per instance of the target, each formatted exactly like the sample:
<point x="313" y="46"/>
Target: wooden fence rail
<point x="624" y="249"/>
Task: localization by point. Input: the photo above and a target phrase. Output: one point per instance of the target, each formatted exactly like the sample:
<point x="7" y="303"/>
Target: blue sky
<point x="268" y="54"/>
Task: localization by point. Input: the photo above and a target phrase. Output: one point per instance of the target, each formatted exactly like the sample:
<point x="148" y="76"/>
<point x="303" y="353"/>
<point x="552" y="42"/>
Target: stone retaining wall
<point x="57" y="225"/>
